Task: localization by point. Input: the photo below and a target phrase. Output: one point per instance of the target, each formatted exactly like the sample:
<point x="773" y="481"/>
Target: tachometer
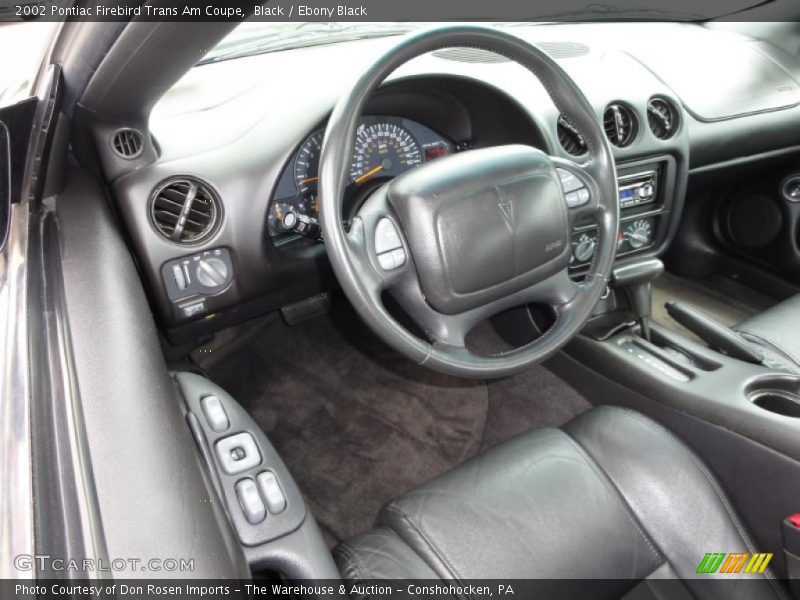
<point x="385" y="150"/>
<point x="306" y="165"/>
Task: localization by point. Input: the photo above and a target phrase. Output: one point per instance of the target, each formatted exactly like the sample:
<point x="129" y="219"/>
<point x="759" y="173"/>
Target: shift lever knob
<point x="635" y="279"/>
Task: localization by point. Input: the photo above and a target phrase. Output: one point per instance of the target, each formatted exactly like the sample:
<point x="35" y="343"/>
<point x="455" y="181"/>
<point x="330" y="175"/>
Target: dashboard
<point x="385" y="147"/>
<point x="224" y="222"/>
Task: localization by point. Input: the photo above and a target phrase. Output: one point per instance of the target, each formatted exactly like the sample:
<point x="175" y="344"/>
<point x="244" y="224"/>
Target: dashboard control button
<point x="386" y="261"/>
<point x="238" y="453"/>
<point x="569" y="182"/>
<point x="577" y="198"/>
<point x="214" y="413"/>
<point x="250" y="501"/>
<point x="180" y="276"/>
<point x="399" y="256"/>
<point x="212" y="272"/>
<point x="193" y="308"/>
<point x="271" y="492"/>
<point x="386" y="237"/>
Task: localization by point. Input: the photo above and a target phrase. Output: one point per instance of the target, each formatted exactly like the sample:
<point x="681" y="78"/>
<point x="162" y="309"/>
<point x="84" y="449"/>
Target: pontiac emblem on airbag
<point x="506" y="205"/>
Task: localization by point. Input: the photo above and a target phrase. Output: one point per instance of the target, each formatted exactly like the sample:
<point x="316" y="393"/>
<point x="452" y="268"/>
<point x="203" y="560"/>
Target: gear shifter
<point x="635" y="280"/>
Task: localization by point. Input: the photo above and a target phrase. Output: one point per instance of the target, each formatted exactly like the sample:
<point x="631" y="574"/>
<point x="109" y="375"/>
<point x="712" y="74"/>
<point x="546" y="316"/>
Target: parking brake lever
<point x="719" y="337"/>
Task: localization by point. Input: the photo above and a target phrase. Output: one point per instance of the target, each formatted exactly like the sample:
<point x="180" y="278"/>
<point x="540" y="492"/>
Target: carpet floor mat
<point x="356" y="423"/>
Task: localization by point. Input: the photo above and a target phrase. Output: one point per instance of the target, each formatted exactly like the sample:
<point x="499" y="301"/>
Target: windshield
<point x="258" y="37"/>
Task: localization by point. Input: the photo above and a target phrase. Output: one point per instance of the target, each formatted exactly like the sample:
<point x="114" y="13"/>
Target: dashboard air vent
<point x="127" y="143"/>
<point x="477" y="55"/>
<point x="569" y="138"/>
<point x="185" y="210"/>
<point x="620" y="125"/>
<point x="662" y="116"/>
<point x="470" y="55"/>
<point x="564" y="49"/>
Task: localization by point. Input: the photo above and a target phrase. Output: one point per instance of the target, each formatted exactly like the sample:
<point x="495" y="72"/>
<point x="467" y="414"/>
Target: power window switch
<point x="215" y="414"/>
<point x="250" y="501"/>
<point x="271" y="492"/>
<point x="238" y="453"/>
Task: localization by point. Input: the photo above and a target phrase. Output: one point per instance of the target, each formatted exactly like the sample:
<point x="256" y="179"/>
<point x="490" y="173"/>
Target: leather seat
<point x="777" y="330"/>
<point x="611" y="503"/>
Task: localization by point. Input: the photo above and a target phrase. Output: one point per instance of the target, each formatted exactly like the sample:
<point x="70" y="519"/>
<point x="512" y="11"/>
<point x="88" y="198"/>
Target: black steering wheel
<point x="462" y="238"/>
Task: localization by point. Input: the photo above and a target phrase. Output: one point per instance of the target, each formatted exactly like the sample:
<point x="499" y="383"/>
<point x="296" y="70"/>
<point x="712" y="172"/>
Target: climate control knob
<point x="639" y="234"/>
<point x="583" y="248"/>
<point x="211" y="272"/>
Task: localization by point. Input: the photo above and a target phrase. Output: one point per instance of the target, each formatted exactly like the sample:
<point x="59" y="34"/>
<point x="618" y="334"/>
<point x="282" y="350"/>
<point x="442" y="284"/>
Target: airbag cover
<point x="483" y="224"/>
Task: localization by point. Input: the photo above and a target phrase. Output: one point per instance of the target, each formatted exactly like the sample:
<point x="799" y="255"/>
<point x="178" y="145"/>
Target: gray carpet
<point x="358" y="424"/>
<point x="726" y="300"/>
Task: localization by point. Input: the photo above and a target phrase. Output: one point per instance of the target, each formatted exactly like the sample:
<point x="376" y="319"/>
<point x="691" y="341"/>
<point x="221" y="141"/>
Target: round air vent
<point x="620" y="125"/>
<point x="127" y="143"/>
<point x="569" y="138"/>
<point x="185" y="210"/>
<point x="662" y="116"/>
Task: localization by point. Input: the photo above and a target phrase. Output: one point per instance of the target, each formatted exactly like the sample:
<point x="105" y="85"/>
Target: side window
<point x="5" y="184"/>
<point x="15" y="133"/>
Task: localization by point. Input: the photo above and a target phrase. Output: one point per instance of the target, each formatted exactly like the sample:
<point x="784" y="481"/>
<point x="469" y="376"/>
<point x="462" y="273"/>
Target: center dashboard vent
<point x="662" y="117"/>
<point x="569" y="138"/>
<point x="620" y="124"/>
<point x="185" y="210"/>
<point x="127" y="143"/>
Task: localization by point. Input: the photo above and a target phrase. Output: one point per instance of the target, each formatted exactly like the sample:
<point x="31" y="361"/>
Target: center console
<point x="734" y="403"/>
<point x="646" y="195"/>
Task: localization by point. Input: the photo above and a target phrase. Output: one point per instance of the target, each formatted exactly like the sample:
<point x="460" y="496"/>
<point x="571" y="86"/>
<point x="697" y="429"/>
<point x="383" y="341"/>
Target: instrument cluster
<point x="385" y="147"/>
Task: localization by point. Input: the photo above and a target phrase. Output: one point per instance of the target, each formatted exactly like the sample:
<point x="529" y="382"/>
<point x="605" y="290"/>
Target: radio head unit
<point x="638" y="188"/>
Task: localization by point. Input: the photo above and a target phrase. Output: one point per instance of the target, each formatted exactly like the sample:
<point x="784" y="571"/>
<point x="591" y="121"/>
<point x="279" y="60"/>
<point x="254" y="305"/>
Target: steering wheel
<point x="465" y="237"/>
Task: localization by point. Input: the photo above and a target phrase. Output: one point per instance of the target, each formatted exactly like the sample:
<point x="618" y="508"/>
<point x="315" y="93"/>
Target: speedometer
<point x="385" y="150"/>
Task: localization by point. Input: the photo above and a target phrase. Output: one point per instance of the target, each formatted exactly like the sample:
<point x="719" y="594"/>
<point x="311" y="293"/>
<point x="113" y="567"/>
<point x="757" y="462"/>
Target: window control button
<point x="214" y="413"/>
<point x="250" y="501"/>
<point x="238" y="453"/>
<point x="271" y="492"/>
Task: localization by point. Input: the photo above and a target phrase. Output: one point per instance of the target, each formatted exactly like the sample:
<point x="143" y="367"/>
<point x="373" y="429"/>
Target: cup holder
<point x="778" y="394"/>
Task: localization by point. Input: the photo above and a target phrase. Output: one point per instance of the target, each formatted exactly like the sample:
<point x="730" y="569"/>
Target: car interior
<point x="446" y="302"/>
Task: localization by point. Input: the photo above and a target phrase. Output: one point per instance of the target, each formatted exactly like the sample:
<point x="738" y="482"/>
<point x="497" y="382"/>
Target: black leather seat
<point x="611" y="496"/>
<point x="777" y="330"/>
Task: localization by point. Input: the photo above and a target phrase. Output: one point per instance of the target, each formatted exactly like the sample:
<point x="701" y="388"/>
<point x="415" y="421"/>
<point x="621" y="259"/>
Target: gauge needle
<point x="308" y="180"/>
<point x="278" y="212"/>
<point x="370" y="173"/>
